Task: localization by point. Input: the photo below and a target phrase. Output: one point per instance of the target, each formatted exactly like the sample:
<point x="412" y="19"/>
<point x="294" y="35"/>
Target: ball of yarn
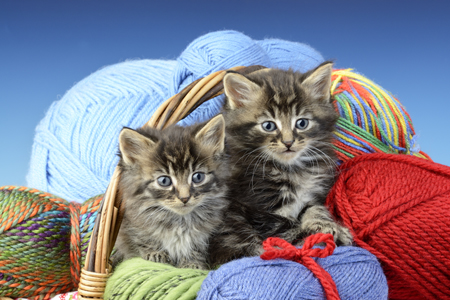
<point x="286" y="54"/>
<point x="140" y="279"/>
<point x="43" y="242"/>
<point x="75" y="146"/>
<point x="398" y="207"/>
<point x="371" y="119"/>
<point x="356" y="273"/>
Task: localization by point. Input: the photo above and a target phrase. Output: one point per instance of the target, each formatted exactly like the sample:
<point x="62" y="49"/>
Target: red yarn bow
<point x="287" y="251"/>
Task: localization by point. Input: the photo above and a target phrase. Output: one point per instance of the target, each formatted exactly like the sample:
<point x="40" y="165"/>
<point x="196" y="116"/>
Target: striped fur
<point x="172" y="224"/>
<point x="287" y="171"/>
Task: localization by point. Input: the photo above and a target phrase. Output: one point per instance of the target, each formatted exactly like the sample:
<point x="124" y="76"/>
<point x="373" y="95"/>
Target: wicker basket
<point x="96" y="268"/>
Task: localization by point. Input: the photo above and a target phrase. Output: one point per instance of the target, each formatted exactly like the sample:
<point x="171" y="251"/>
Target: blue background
<point x="48" y="46"/>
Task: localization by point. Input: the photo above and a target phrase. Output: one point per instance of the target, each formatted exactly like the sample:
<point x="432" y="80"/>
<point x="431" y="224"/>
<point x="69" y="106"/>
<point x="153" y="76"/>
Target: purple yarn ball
<point x="356" y="272"/>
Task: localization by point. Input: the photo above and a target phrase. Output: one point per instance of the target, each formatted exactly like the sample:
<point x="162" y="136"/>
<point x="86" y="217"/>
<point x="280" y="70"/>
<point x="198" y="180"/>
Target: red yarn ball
<point x="398" y="208"/>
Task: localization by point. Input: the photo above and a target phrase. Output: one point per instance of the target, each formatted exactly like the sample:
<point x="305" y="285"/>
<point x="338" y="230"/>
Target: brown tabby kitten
<point x="173" y="184"/>
<point x="279" y="128"/>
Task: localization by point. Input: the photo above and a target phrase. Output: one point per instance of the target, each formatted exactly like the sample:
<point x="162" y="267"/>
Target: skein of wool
<point x="278" y="248"/>
<point x="75" y="145"/>
<point x="371" y="119"/>
<point x="398" y="208"/>
<point x="43" y="242"/>
<point x="137" y="279"/>
<point x="356" y="273"/>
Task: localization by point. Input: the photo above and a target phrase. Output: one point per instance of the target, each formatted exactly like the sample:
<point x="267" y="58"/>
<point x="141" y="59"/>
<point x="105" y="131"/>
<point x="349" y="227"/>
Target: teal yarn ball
<point x="75" y="145"/>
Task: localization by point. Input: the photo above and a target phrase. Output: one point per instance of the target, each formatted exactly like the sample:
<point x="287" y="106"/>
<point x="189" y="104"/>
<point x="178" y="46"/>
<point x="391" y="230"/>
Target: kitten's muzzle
<point x="185" y="199"/>
<point x="183" y="193"/>
<point x="288" y="144"/>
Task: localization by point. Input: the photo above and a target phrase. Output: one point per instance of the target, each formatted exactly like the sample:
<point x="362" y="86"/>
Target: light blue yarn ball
<point x="226" y="49"/>
<point x="75" y="146"/>
<point x="356" y="272"/>
<point x="285" y="54"/>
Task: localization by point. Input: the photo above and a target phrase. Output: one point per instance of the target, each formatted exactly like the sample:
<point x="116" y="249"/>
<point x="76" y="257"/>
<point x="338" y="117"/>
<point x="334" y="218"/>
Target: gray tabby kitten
<point x="279" y="128"/>
<point x="173" y="184"/>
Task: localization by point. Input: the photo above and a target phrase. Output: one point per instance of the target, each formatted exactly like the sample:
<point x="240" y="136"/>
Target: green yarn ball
<point x="139" y="279"/>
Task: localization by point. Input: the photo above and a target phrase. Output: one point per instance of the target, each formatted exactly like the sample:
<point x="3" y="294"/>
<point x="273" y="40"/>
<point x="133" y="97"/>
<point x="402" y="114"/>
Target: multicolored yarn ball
<point x="75" y="145"/>
<point x="398" y="207"/>
<point x="141" y="279"/>
<point x="43" y="242"/>
<point x="371" y="119"/>
<point x="349" y="273"/>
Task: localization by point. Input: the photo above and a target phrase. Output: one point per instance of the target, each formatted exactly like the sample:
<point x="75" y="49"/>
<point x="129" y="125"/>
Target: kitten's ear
<point x="318" y="83"/>
<point x="132" y="144"/>
<point x="239" y="90"/>
<point x="212" y="134"/>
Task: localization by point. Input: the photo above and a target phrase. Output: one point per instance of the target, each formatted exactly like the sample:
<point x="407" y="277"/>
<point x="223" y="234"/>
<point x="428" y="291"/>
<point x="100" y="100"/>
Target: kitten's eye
<point x="302" y="124"/>
<point x="164" y="181"/>
<point x="198" y="177"/>
<point x="269" y="126"/>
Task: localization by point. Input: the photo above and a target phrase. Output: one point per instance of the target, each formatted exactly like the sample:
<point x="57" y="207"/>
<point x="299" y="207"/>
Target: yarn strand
<point x="75" y="253"/>
<point x="304" y="256"/>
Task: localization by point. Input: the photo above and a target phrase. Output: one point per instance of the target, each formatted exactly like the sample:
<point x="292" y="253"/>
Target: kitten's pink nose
<point x="185" y="199"/>
<point x="288" y="143"/>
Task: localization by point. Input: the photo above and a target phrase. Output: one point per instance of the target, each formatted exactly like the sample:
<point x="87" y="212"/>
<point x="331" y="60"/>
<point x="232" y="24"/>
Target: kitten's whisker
<point x="148" y="209"/>
<point x="262" y="160"/>
<point x="317" y="156"/>
<point x="247" y="153"/>
<point x="261" y="157"/>
<point x="265" y="161"/>
<point x="326" y="157"/>
<point x="329" y="145"/>
<point x="312" y="158"/>
<point x="155" y="216"/>
<point x="331" y="164"/>
<point x="256" y="157"/>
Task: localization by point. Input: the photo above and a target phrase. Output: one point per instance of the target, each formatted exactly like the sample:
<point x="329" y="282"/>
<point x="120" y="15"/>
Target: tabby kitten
<point x="173" y="184"/>
<point x="279" y="128"/>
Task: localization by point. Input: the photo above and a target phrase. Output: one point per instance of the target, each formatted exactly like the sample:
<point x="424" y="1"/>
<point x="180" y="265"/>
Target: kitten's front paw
<point x="341" y="234"/>
<point x="344" y="237"/>
<point x="192" y="265"/>
<point x="293" y="236"/>
<point x="158" y="256"/>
